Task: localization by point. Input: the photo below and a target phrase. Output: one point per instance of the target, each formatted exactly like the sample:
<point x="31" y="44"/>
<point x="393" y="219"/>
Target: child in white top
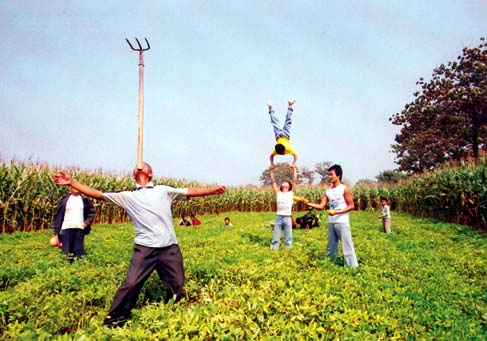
<point x="385" y="215"/>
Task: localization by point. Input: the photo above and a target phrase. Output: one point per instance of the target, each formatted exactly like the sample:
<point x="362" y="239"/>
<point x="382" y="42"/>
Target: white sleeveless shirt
<point x="336" y="198"/>
<point x="73" y="215"/>
<point x="284" y="203"/>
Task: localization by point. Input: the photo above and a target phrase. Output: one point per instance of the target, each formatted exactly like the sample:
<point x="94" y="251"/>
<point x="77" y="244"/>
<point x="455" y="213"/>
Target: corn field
<point x="454" y="194"/>
<point x="28" y="196"/>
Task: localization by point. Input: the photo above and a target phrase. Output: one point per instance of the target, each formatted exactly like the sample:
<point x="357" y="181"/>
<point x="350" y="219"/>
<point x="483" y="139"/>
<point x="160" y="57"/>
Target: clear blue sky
<point x="69" y="82"/>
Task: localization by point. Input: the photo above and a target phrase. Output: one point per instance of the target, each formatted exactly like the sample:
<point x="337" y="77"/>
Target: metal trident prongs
<point x="140" y="133"/>
<point x="140" y="46"/>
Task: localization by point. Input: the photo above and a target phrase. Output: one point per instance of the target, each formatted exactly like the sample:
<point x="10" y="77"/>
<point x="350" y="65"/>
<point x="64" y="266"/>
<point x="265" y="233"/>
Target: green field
<point x="427" y="280"/>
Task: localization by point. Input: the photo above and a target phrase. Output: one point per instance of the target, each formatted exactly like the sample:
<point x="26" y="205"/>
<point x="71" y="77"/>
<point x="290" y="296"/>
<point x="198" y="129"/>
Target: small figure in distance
<point x="227" y="222"/>
<point x="194" y="221"/>
<point x="184" y="220"/>
<point x="385" y="215"/>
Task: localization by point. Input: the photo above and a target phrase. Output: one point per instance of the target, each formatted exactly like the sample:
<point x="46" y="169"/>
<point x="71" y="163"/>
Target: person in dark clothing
<point x="309" y="220"/>
<point x="74" y="215"/>
<point x="184" y="220"/>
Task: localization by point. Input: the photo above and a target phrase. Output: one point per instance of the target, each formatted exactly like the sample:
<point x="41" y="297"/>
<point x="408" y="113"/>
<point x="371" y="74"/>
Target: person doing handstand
<point x="282" y="135"/>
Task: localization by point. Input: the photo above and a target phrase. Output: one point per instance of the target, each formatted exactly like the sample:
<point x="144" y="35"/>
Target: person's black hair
<point x="338" y="170"/>
<point x="280" y="149"/>
<point x="290" y="185"/>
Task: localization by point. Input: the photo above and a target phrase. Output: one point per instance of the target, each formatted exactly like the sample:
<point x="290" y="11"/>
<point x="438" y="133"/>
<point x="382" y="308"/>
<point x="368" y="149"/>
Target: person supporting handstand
<point x="282" y="135"/>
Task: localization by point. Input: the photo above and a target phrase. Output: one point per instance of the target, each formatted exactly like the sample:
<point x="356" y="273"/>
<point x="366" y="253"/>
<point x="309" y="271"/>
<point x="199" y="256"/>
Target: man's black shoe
<point x="115" y="322"/>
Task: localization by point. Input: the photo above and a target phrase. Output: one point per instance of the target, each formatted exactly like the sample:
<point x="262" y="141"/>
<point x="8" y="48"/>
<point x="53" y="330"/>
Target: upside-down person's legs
<point x="286" y="129"/>
<point x="275" y="124"/>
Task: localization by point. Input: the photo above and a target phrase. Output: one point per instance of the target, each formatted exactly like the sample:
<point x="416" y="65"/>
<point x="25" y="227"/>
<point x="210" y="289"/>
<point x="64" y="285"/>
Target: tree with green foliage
<point x="321" y="168"/>
<point x="282" y="172"/>
<point x="308" y="175"/>
<point x="448" y="118"/>
<point x="390" y="177"/>
<point x="366" y="182"/>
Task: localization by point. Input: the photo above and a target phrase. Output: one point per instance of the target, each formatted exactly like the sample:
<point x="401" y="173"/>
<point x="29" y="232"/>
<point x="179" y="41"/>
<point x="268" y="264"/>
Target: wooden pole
<point x="140" y="116"/>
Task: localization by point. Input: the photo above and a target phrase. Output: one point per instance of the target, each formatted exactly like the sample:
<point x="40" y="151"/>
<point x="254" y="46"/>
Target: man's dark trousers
<point x="167" y="261"/>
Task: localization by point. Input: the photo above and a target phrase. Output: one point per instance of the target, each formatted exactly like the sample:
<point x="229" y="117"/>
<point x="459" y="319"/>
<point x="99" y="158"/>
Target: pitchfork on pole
<point x="140" y="133"/>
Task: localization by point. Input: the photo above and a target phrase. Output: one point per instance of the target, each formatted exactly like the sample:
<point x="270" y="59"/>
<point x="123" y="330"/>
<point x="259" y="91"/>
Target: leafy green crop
<point x="427" y="280"/>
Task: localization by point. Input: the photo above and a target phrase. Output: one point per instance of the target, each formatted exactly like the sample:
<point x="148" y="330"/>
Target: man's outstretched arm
<point x="201" y="192"/>
<point x="64" y="179"/>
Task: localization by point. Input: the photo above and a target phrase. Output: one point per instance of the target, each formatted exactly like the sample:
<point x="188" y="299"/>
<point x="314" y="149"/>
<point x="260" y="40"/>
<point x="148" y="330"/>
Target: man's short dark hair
<point x="338" y="170"/>
<point x="280" y="149"/>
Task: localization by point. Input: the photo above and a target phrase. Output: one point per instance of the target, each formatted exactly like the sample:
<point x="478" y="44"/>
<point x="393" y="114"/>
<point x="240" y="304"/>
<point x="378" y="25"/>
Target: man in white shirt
<point x="156" y="246"/>
<point x="340" y="199"/>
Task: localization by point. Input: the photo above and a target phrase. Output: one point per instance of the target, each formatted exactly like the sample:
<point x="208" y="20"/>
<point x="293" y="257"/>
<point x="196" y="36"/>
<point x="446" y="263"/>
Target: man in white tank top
<point x="340" y="199"/>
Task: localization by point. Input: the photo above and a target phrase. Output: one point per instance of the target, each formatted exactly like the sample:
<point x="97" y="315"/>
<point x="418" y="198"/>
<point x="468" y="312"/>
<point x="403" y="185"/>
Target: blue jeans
<point x="283" y="222"/>
<point x="341" y="231"/>
<point x="286" y="129"/>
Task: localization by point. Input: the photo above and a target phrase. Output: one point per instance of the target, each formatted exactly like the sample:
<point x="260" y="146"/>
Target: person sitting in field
<point x="282" y="135"/>
<point x="227" y="222"/>
<point x="308" y="221"/>
<point x="195" y="221"/>
<point x="184" y="220"/>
